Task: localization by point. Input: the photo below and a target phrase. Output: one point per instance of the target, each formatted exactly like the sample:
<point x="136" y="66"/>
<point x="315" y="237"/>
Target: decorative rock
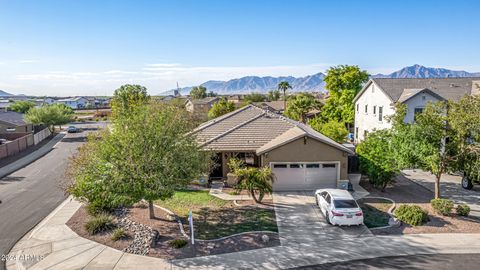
<point x="144" y="237"/>
<point x="265" y="238"/>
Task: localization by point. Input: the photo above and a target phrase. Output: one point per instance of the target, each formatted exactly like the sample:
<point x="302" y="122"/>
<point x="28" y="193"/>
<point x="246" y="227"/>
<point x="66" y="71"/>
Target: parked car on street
<point x="72" y="129"/>
<point x="339" y="207"/>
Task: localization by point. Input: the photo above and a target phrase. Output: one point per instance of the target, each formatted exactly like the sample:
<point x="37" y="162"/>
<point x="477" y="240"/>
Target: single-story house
<point x="300" y="157"/>
<point x="377" y="99"/>
<point x="200" y="107"/>
<point x="74" y="103"/>
<point x="13" y="122"/>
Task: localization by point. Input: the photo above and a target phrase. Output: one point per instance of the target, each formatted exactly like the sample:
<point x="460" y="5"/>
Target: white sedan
<point x="339" y="207"/>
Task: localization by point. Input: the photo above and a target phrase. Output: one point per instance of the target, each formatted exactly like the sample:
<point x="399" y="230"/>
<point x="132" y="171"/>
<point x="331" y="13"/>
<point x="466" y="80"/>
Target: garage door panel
<point x="302" y="176"/>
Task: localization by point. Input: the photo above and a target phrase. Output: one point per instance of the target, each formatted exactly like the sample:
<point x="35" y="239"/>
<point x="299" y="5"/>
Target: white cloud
<point x="27" y="61"/>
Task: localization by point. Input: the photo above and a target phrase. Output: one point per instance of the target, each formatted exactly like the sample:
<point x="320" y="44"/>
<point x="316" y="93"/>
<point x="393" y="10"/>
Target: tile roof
<point x="447" y="88"/>
<point x="13" y="118"/>
<point x="206" y="100"/>
<point x="278" y="105"/>
<point x="252" y="128"/>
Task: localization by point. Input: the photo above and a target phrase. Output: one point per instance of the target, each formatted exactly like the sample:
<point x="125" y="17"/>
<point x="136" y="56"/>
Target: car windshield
<point x="345" y="204"/>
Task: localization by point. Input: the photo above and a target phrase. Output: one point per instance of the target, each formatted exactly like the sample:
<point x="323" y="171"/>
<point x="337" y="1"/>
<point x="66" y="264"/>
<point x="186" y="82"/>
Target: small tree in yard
<point x="198" y="92"/>
<point x="22" y="106"/>
<point x="220" y="108"/>
<point x="50" y="115"/>
<point x="147" y="156"/>
<point x="255" y="180"/>
<point x="300" y="105"/>
<point x="333" y="129"/>
<point x="377" y="158"/>
<point x="128" y="97"/>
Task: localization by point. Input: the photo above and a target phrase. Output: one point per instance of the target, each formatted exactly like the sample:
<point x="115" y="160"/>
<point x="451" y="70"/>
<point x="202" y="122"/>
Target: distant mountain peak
<point x="5" y="94"/>
<point x="313" y="83"/>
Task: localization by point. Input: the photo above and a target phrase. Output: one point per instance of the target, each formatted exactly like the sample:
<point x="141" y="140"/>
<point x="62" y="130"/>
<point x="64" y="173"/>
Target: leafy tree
<point x="333" y="129"/>
<point x="22" y="106"/>
<point x="300" y="105"/>
<point x="464" y="121"/>
<point x="127" y="98"/>
<point x="273" y="95"/>
<point x="255" y="180"/>
<point x="50" y="115"/>
<point x="220" y="108"/>
<point x="284" y="86"/>
<point x="343" y="82"/>
<point x="212" y="94"/>
<point x="146" y="156"/>
<point x="254" y="97"/>
<point x="198" y="92"/>
<point x="428" y="147"/>
<point x="377" y="158"/>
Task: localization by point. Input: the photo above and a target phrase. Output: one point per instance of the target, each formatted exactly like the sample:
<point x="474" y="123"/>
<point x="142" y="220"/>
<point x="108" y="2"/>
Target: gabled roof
<point x="252" y="128"/>
<point x="446" y="88"/>
<point x="13" y="118"/>
<point x="410" y="93"/>
<point x="206" y="100"/>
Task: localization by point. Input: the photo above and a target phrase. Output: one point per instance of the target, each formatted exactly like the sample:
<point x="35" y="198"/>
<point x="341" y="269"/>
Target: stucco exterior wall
<point x="308" y="150"/>
<point x="418" y="101"/>
<point x="368" y="121"/>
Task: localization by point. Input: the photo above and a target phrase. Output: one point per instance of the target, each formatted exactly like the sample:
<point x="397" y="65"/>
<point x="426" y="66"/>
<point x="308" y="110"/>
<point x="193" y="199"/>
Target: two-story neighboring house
<point x="378" y="97"/>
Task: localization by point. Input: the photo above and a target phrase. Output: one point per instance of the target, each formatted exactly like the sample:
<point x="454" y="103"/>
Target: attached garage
<point x="305" y="175"/>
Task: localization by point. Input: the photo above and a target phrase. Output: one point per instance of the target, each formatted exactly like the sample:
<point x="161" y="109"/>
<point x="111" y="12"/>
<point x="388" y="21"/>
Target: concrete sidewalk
<point x="18" y="164"/>
<point x="52" y="245"/>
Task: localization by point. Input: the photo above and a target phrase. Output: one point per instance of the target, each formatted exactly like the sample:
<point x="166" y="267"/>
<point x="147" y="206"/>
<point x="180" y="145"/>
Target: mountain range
<point x="313" y="83"/>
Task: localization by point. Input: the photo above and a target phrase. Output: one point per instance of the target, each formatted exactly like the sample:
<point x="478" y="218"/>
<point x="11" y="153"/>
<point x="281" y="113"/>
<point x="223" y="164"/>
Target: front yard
<point x="214" y="218"/>
<point x="404" y="191"/>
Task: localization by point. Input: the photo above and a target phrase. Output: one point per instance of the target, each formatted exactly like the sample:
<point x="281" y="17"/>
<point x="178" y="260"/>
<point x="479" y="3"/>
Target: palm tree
<point x="284" y="86"/>
<point x="255" y="180"/>
<point x="300" y="106"/>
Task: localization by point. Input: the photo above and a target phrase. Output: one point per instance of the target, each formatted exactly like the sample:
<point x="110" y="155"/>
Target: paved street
<point x="31" y="193"/>
<point x="425" y="262"/>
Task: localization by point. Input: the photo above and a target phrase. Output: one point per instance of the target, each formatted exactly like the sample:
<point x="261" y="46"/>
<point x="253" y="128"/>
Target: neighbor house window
<point x="380" y="114"/>
<point x="416" y="112"/>
<point x="356" y="133"/>
<point x="424" y="98"/>
<point x="374" y="109"/>
<point x="366" y="108"/>
<point x="358" y="106"/>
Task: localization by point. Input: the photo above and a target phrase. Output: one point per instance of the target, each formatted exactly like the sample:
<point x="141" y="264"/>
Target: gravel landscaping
<point x="404" y="191"/>
<point x="213" y="218"/>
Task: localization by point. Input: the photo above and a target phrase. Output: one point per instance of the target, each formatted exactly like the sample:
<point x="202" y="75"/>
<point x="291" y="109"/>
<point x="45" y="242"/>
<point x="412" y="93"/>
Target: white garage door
<point x="302" y="176"/>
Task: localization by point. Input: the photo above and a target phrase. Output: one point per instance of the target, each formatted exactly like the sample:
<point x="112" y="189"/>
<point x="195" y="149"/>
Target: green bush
<point x="463" y="210"/>
<point x="442" y="206"/>
<point x="118" y="234"/>
<point x="99" y="223"/>
<point x="178" y="243"/>
<point x="411" y="214"/>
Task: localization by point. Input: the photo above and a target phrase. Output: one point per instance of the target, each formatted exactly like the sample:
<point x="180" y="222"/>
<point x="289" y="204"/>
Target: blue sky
<point x="91" y="47"/>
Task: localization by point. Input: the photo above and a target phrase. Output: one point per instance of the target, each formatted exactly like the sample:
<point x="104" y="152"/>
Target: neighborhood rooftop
<point x="447" y="88"/>
<point x="13" y="118"/>
<point x="255" y="129"/>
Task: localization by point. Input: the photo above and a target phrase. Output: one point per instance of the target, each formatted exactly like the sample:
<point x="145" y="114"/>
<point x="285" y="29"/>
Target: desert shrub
<point x="463" y="210"/>
<point x="178" y="243"/>
<point x="411" y="214"/>
<point x="118" y="234"/>
<point x="99" y="223"/>
<point x="442" y="206"/>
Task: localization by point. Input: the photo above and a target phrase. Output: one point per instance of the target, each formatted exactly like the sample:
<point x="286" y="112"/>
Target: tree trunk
<point x="151" y="210"/>
<point x="252" y="193"/>
<point x="284" y="100"/>
<point x="260" y="197"/>
<point x="437" y="186"/>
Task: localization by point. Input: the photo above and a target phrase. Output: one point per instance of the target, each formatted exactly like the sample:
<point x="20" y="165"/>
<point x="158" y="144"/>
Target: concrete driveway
<point x="300" y="221"/>
<point x="450" y="187"/>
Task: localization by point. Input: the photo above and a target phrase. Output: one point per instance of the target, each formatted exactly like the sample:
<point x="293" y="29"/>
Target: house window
<point x="380" y="114"/>
<point x="313" y="166"/>
<point x="329" y="165"/>
<point x="356" y="133"/>
<point x="358" y="107"/>
<point x="424" y="98"/>
<point x="295" y="166"/>
<point x="279" y="165"/>
<point x="374" y="109"/>
<point x="366" y="108"/>
<point x="416" y="112"/>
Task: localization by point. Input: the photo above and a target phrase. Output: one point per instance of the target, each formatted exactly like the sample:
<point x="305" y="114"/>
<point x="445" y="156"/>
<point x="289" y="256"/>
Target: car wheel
<point x="327" y="217"/>
<point x="467" y="183"/>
